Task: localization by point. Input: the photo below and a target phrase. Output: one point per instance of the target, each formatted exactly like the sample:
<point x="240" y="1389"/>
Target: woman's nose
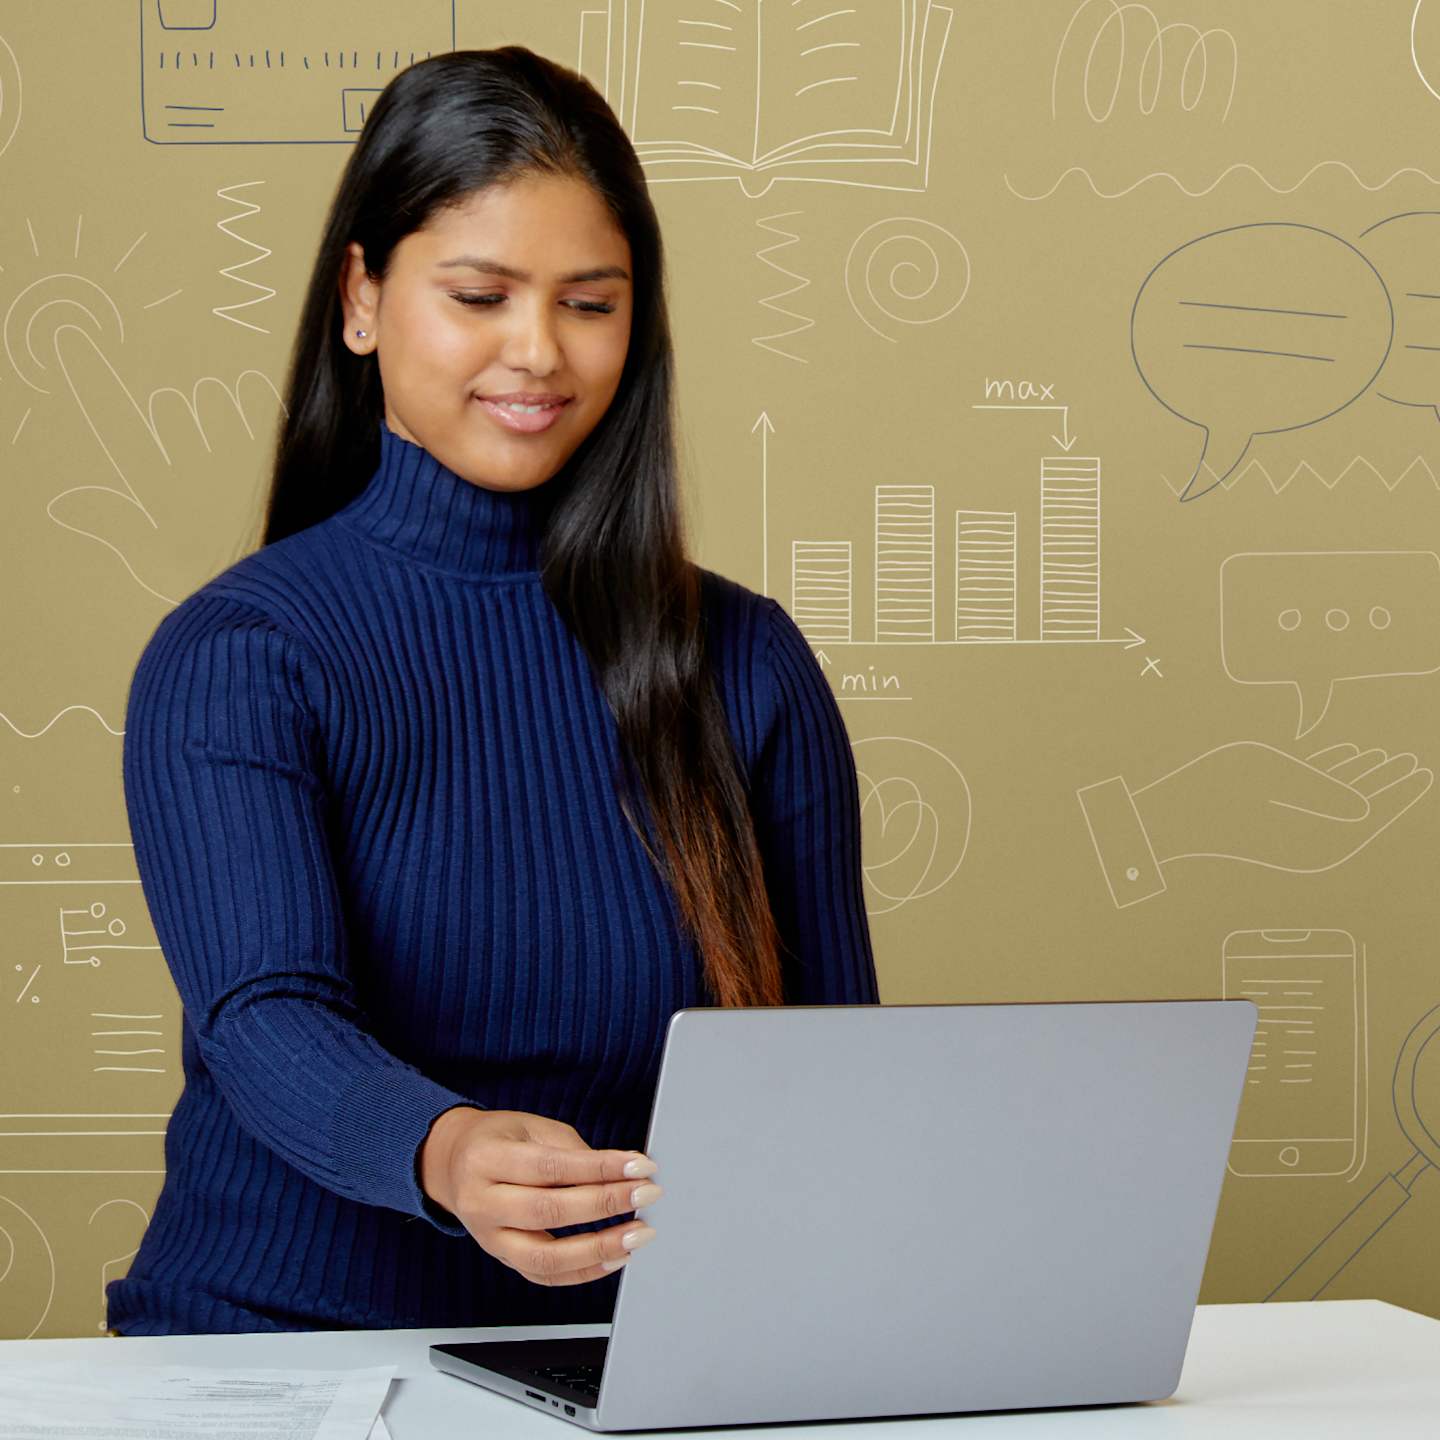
<point x="534" y="343"/>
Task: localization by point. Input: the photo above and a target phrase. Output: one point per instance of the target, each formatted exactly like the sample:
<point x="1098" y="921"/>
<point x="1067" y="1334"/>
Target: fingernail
<point x="634" y="1239"/>
<point x="614" y="1264"/>
<point x="636" y="1169"/>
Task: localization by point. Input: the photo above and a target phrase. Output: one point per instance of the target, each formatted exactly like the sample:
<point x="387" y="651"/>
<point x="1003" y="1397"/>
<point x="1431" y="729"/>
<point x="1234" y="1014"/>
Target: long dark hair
<point x="612" y="555"/>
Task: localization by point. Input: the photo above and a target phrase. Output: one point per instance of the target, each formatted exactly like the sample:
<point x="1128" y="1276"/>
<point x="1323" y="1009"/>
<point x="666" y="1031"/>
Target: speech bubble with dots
<point x="1313" y="618"/>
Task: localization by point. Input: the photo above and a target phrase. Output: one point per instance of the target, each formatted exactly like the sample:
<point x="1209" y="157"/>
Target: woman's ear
<point x="359" y="297"/>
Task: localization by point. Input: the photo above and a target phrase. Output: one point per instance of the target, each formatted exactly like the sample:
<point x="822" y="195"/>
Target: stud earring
<point x="360" y="333"/>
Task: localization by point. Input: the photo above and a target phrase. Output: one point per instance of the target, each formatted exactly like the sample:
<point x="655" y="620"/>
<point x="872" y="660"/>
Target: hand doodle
<point x="189" y="476"/>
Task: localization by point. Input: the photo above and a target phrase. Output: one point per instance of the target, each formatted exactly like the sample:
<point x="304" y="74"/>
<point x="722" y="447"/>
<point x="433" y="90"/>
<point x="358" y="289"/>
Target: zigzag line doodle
<point x="792" y="237"/>
<point x="231" y="272"/>
<point x="1305" y="468"/>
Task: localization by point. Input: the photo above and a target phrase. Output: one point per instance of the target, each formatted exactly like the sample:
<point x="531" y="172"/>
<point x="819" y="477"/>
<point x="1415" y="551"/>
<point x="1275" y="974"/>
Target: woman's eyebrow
<point x="495" y="267"/>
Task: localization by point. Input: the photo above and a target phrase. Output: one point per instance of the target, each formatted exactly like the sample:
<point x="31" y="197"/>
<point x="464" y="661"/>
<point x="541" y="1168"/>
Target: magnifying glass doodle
<point x="1390" y="1193"/>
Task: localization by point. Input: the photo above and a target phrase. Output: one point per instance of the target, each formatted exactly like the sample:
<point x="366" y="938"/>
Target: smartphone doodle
<point x="1300" y="1110"/>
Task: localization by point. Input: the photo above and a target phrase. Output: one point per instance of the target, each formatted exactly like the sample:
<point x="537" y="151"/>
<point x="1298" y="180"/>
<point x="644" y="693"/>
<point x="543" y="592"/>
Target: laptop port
<point x="569" y="1409"/>
<point x="534" y="1396"/>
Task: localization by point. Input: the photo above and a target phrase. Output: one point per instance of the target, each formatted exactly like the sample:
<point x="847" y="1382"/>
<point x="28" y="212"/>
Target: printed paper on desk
<point x="187" y="1402"/>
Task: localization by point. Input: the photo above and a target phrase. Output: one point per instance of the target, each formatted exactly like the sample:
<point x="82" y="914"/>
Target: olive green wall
<point x="1069" y="372"/>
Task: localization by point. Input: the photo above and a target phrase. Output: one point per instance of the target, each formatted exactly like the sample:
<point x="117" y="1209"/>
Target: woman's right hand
<point x="507" y="1176"/>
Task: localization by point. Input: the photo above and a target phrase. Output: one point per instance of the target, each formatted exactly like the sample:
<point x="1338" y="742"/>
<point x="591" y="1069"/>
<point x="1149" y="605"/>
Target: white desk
<point x="1312" y="1369"/>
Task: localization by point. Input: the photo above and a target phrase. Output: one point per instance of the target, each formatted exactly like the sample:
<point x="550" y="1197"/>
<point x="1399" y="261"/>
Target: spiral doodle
<point x="909" y="291"/>
<point x="909" y="852"/>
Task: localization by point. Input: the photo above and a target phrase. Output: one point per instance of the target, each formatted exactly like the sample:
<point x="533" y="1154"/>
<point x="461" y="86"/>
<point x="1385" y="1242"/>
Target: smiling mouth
<point x="526" y="420"/>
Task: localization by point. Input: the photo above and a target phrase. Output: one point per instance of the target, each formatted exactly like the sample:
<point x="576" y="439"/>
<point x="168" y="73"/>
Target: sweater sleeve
<point x="806" y="803"/>
<point x="227" y="815"/>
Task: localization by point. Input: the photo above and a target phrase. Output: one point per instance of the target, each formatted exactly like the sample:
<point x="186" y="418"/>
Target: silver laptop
<point x="970" y="1207"/>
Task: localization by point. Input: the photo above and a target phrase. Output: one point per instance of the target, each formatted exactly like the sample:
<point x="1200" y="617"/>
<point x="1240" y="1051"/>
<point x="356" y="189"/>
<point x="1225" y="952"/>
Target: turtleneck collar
<point x="415" y="504"/>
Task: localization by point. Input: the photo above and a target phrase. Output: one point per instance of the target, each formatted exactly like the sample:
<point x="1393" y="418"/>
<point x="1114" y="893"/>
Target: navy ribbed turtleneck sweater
<point x="368" y="776"/>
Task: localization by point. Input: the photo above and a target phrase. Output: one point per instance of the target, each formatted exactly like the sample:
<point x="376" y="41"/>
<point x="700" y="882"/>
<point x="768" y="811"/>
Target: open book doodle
<point x="714" y="89"/>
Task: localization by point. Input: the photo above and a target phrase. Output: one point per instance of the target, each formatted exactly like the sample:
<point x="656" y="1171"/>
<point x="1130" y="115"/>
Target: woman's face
<point x="526" y="287"/>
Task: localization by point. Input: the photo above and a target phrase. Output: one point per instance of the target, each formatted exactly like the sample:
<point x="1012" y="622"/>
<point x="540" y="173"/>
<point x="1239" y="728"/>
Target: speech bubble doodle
<point x="1259" y="328"/>
<point x="1311" y="618"/>
<point x="1403" y="248"/>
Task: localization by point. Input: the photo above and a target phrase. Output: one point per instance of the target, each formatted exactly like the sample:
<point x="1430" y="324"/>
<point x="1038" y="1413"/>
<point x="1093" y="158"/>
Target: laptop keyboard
<point x="584" y="1378"/>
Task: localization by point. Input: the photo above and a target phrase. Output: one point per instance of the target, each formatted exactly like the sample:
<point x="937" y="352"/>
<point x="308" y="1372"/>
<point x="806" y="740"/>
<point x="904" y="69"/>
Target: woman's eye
<point x="591" y="306"/>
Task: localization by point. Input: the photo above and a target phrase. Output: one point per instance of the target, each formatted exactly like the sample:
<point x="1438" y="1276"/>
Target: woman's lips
<point x="520" y="423"/>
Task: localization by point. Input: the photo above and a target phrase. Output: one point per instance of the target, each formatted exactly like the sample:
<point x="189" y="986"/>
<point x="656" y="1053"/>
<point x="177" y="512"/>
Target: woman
<point x="447" y="797"/>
